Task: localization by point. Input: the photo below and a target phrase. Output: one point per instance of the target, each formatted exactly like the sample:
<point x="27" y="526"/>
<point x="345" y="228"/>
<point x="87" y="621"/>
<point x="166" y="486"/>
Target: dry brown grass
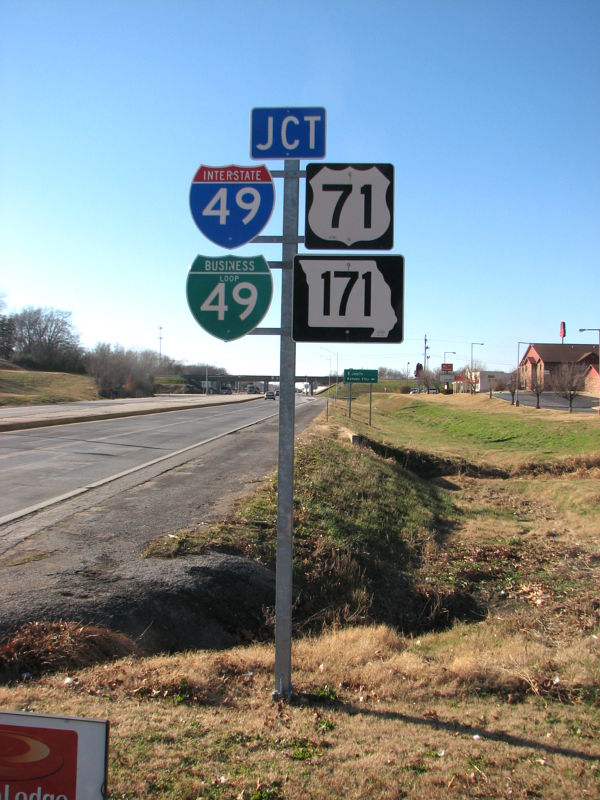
<point x="376" y="715"/>
<point x="40" y="647"/>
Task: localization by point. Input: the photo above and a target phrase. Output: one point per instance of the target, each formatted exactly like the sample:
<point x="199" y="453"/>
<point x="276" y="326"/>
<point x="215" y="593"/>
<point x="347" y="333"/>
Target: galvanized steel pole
<point x="287" y="400"/>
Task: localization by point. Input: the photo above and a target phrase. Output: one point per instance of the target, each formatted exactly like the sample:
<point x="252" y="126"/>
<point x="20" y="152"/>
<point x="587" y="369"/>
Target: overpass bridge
<point x="197" y="378"/>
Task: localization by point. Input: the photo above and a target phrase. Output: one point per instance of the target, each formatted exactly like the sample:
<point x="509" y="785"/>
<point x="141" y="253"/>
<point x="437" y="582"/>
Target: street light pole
<point x="337" y="369"/>
<point x="518" y="373"/>
<point x="328" y="385"/>
<point x="481" y="344"/>
<point x="581" y="330"/>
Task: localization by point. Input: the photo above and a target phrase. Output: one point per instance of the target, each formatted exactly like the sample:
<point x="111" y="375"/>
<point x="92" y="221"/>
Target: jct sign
<point x="287" y="133"/>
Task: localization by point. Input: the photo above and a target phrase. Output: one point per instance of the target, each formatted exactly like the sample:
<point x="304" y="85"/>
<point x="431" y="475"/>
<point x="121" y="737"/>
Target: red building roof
<point x="561" y="353"/>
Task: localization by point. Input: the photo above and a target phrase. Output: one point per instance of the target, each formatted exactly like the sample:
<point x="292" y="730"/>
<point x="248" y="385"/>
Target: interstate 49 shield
<point x="231" y="205"/>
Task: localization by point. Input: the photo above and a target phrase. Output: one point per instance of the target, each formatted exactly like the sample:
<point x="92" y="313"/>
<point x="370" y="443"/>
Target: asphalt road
<point x="81" y="558"/>
<point x="581" y="403"/>
<point x="40" y="466"/>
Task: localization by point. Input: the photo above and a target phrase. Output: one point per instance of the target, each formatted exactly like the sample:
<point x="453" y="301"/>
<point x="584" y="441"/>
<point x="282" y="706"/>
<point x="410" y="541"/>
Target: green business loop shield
<point x="229" y="295"/>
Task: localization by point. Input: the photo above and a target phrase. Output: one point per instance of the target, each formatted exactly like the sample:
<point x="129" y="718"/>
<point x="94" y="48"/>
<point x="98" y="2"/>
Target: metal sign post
<point x="347" y="298"/>
<point x="291" y="175"/>
<point x="369" y="376"/>
<point x="285" y="469"/>
<point x="291" y="134"/>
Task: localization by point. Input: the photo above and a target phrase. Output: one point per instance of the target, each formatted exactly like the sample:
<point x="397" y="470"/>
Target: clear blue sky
<point x="488" y="109"/>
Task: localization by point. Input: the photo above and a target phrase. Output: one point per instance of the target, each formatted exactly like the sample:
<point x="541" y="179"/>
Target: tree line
<point x="44" y="339"/>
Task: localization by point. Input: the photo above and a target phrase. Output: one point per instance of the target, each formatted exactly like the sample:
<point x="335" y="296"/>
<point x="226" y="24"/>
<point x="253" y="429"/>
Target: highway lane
<point x="42" y="465"/>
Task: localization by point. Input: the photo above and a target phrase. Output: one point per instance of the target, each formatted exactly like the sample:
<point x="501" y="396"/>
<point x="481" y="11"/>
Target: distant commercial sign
<point x="287" y="132"/>
<point x="447" y="367"/>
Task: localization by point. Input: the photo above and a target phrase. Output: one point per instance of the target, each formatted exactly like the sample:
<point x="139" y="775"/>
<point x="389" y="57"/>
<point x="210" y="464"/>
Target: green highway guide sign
<point x="361" y="376"/>
<point x="229" y="295"/>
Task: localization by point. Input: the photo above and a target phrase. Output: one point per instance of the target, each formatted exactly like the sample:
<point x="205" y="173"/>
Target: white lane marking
<point x="25" y="511"/>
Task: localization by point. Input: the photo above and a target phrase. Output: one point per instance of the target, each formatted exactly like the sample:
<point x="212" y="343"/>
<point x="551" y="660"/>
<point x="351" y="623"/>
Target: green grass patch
<point x="478" y="429"/>
<point x="362" y="528"/>
<point x="345" y="498"/>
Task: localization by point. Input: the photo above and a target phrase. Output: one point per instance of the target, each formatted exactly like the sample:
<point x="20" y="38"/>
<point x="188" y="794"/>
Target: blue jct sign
<point x="287" y="133"/>
<point x="231" y="205"/>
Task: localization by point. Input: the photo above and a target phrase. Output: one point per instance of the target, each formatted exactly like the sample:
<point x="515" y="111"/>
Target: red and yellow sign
<point x="37" y="763"/>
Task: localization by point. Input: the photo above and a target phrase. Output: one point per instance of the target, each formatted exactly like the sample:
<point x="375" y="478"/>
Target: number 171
<point x="351" y="277"/>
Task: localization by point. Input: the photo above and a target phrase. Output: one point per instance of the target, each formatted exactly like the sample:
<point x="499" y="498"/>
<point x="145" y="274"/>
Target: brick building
<point x="541" y="360"/>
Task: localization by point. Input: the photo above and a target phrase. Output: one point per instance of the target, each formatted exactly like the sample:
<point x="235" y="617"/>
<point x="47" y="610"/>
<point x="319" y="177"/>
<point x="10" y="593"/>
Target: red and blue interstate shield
<point x="231" y="205"/>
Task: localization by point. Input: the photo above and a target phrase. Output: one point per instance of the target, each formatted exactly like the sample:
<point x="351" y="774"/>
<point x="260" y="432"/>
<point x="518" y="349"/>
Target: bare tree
<point x="513" y="384"/>
<point x="387" y="374"/>
<point x="568" y="380"/>
<point x="537" y="384"/>
<point x="44" y="339"/>
<point x="122" y="373"/>
<point x="430" y="379"/>
<point x="7" y="337"/>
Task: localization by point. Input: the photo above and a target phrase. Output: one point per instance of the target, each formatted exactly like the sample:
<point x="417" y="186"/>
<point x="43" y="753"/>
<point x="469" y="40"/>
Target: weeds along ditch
<point x="363" y="526"/>
<point x="416" y="530"/>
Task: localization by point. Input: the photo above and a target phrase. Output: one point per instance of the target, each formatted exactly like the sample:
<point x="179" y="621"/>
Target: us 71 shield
<point x="349" y="206"/>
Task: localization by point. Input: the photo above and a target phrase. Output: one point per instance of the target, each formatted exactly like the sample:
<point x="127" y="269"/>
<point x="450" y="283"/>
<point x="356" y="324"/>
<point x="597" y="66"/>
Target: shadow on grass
<point x="435" y="723"/>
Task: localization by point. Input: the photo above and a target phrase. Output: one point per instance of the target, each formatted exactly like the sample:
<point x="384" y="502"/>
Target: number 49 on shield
<point x="217" y="207"/>
<point x="244" y="294"/>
